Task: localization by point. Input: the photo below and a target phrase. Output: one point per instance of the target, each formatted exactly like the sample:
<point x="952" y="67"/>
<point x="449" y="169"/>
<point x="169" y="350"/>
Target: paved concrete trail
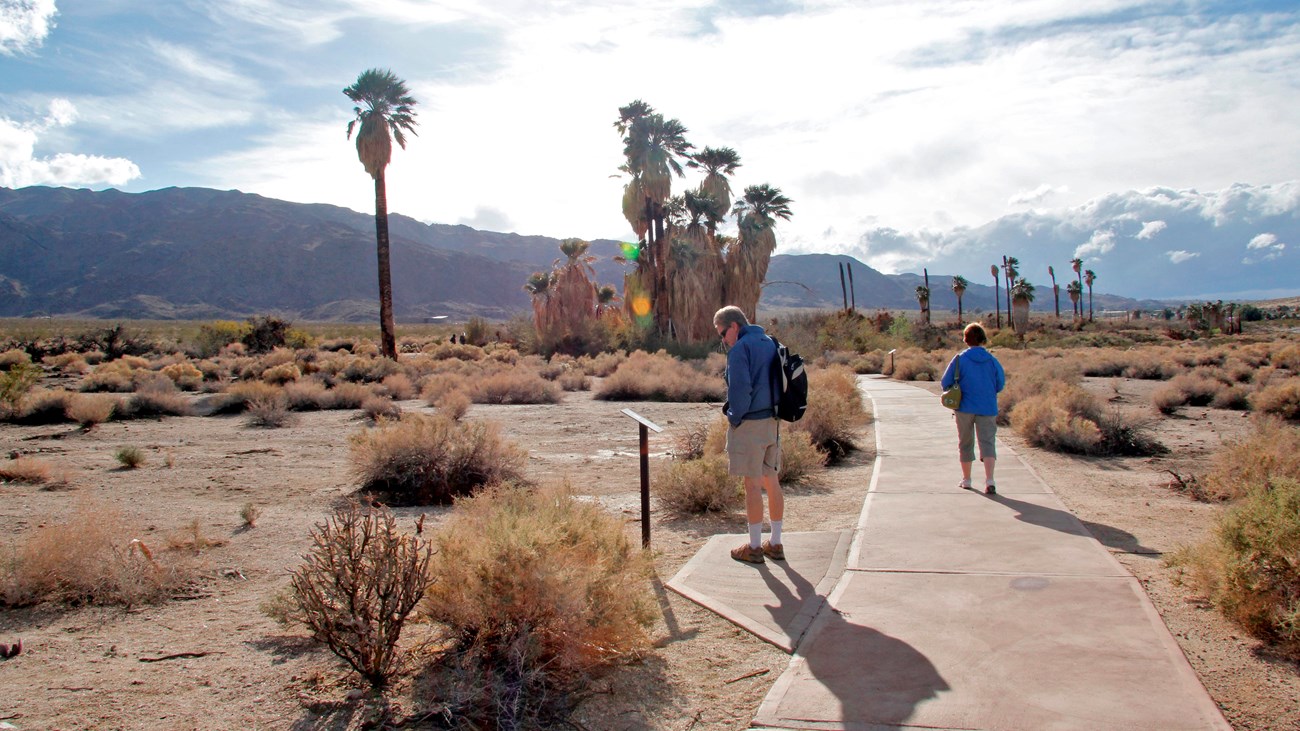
<point x="950" y="609"/>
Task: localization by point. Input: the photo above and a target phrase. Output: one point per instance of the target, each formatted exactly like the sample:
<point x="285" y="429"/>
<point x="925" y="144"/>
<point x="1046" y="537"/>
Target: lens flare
<point x="641" y="305"/>
<point x="631" y="251"/>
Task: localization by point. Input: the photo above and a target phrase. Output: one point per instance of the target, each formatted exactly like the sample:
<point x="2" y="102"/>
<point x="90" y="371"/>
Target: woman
<point x="982" y="379"/>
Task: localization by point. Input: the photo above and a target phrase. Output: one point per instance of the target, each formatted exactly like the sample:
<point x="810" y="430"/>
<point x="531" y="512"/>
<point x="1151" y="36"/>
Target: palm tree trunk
<point x="958" y="310"/>
<point x="388" y="340"/>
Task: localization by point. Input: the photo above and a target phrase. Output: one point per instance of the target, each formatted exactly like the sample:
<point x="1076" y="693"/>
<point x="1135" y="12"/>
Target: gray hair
<point x="728" y="315"/>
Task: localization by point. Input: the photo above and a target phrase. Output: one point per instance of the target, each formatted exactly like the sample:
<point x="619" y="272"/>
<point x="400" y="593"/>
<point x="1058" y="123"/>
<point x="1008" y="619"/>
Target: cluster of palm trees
<point x="567" y="298"/>
<point x="1020" y="292"/>
<point x="684" y="269"/>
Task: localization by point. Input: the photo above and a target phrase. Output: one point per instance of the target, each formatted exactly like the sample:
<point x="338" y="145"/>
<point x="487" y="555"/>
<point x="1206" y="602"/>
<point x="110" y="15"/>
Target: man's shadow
<point x="876" y="679"/>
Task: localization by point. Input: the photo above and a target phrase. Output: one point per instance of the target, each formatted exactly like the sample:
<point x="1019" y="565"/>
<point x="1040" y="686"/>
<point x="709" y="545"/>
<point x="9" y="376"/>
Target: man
<point x="753" y="442"/>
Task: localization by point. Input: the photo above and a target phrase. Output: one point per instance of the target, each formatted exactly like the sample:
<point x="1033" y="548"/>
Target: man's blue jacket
<point x="749" y="376"/>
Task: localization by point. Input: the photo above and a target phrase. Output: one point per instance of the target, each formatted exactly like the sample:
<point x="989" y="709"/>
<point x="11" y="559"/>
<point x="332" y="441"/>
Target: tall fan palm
<point x="923" y="301"/>
<point x="997" y="302"/>
<point x="386" y="111"/>
<point x="756" y="213"/>
<point x="1077" y="265"/>
<point x="539" y="287"/>
<point x="1021" y="295"/>
<point x="1088" y="278"/>
<point x="1010" y="271"/>
<point x="717" y="163"/>
<point x="1056" y="291"/>
<point x="959" y="285"/>
<point x="1075" y="290"/>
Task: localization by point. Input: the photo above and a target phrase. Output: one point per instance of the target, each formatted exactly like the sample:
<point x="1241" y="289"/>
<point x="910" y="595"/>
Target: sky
<point x="910" y="134"/>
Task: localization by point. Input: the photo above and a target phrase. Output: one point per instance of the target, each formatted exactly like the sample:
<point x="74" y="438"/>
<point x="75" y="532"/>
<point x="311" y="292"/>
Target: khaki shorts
<point x="754" y="448"/>
<point x="968" y="425"/>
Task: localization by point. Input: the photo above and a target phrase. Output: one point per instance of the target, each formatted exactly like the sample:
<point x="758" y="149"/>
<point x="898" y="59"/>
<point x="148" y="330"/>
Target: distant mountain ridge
<point x="198" y="253"/>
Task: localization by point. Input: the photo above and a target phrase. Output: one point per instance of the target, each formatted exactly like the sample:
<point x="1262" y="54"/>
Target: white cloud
<point x="1102" y="242"/>
<point x="20" y="167"/>
<point x="1179" y="256"/>
<point x="24" y="24"/>
<point x="1266" y="247"/>
<point x="1037" y="195"/>
<point x="1150" y="229"/>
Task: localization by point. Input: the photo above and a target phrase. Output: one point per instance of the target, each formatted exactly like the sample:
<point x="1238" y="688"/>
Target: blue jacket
<point x="982" y="379"/>
<point x="749" y="376"/>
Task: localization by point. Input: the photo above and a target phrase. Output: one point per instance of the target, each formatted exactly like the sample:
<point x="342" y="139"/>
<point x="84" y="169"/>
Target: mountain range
<point x="198" y="253"/>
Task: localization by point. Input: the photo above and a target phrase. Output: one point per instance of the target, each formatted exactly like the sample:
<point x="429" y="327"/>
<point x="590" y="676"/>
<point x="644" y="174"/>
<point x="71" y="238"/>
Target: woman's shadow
<point x="873" y="678"/>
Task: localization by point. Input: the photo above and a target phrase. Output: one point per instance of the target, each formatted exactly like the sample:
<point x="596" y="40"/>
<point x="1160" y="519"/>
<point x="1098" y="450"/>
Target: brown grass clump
<point x="26" y="470"/>
<point x="185" y="375"/>
<point x="422" y="459"/>
<point x="659" y="377"/>
<point x="574" y="380"/>
<point x="359" y="582"/>
<point x="538" y="589"/>
<point x="70" y="363"/>
<point x="514" y="386"/>
<point x="601" y="364"/>
<point x="835" y="411"/>
<point x="914" y="366"/>
<point x="399" y="387"/>
<point x="1066" y="418"/>
<point x="93" y="558"/>
<point x="350" y="395"/>
<point x="236" y="398"/>
<point x="91" y="409"/>
<point x="281" y="374"/>
<point x="1249" y="569"/>
<point x="157" y="396"/>
<point x="308" y="395"/>
<point x="130" y="457"/>
<point x="454" y="404"/>
<point x="378" y="407"/>
<point x="13" y="357"/>
<point x="42" y="406"/>
<point x="1280" y="399"/>
<point x="1270" y="453"/>
<point x="438" y="385"/>
<point x="801" y="460"/>
<point x="699" y="485"/>
<point x="271" y="412"/>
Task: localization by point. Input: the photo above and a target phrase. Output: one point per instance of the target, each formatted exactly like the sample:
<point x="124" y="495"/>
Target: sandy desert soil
<point x="213" y="660"/>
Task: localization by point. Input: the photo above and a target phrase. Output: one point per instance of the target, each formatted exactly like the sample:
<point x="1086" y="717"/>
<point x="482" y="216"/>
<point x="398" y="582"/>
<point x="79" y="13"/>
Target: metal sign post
<point x="644" y="423"/>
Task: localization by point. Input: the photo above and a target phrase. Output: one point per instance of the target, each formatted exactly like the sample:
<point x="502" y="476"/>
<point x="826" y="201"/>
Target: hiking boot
<point x="774" y="552"/>
<point x="749" y="555"/>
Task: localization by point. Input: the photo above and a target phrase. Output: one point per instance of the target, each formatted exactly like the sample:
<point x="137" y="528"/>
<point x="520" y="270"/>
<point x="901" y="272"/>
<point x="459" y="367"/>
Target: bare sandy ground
<point x="213" y="660"/>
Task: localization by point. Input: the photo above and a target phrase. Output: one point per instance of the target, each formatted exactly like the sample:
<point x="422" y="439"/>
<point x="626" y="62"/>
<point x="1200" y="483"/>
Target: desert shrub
<point x="1103" y="364"/>
<point x="574" y="380"/>
<point x="89" y="558"/>
<point x="278" y="375"/>
<point x="25" y="470"/>
<point x="601" y="364"/>
<point x="1150" y="367"/>
<point x="378" y="407"/>
<point x="699" y="485"/>
<point x="359" y="582"/>
<point x="1280" y="399"/>
<point x="689" y="443"/>
<point x="91" y="409"/>
<point x="913" y="366"/>
<point x="184" y="375"/>
<point x="370" y="369"/>
<point x="264" y="333"/>
<point x="453" y="403"/>
<point x="13" y="357"/>
<point x="1168" y="398"/>
<point x="42" y="406"/>
<point x="157" y="396"/>
<point x="1125" y="436"/>
<point x="835" y="411"/>
<point x="873" y="362"/>
<point x="73" y="363"/>
<point x="444" y="351"/>
<point x="129" y="457"/>
<point x="1198" y="389"/>
<point x="214" y="336"/>
<point x="1235" y="397"/>
<point x="117" y="376"/>
<point x="659" y="377"/>
<point x="398" y="387"/>
<point x="1062" y="421"/>
<point x="1271" y="452"/>
<point x="15" y="383"/>
<point x="350" y="395"/>
<point x="191" y="539"/>
<point x="1248" y="569"/>
<point x="538" y="589"/>
<point x="114" y="342"/>
<point x="800" y="458"/>
<point x="1287" y="357"/>
<point x="424" y="459"/>
<point x="515" y="386"/>
<point x="236" y="398"/>
<point x="438" y="385"/>
<point x="271" y="412"/>
<point x="1030" y="379"/>
<point x="307" y="395"/>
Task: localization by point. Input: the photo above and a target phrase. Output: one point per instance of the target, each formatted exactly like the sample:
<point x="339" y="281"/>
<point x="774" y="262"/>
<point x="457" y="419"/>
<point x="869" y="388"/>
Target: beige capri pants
<point x="754" y="448"/>
<point x="968" y="426"/>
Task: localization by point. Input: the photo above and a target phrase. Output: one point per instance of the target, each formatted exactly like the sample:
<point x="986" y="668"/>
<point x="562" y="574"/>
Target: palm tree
<point x="386" y="111"/>
<point x="997" y="302"/>
<point x="652" y="146"/>
<point x="573" y="302"/>
<point x="1009" y="264"/>
<point x="959" y="285"/>
<point x="1077" y="265"/>
<point x="923" y="299"/>
<point x="606" y="299"/>
<point x="1075" y="290"/>
<point x="1056" y="291"/>
<point x="1088" y="278"/>
<point x="756" y="213"/>
<point x="717" y="163"/>
<point x="1021" y="295"/>
<point x="539" y="287"/>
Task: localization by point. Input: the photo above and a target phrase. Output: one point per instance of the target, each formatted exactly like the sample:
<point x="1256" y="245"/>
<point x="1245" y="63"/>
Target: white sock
<point x="755" y="535"/>
<point x="776" y="533"/>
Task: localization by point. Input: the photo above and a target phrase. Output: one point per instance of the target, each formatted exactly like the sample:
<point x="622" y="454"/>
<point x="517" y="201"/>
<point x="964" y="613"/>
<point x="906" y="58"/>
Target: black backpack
<point x="789" y="384"/>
